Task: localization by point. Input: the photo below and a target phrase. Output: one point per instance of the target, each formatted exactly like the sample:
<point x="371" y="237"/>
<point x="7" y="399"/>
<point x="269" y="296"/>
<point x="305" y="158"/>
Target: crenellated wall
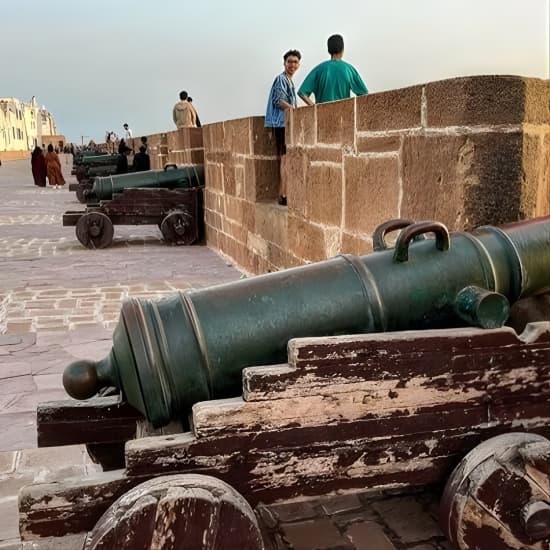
<point x="466" y="151"/>
<point x="184" y="146"/>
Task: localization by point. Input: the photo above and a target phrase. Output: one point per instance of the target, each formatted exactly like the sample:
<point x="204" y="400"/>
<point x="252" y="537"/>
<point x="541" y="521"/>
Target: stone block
<point x="237" y="136"/>
<point x="263" y="141"/>
<point x="366" y="144"/>
<point x="214" y="177"/>
<point x="9" y="519"/>
<point x="537" y="101"/>
<point x="52" y="458"/>
<point x="536" y="180"/>
<point x="286" y="512"/>
<point x="306" y="241"/>
<point x="213" y="201"/>
<point x="372" y="192"/>
<point x="368" y="535"/>
<point x="316" y="534"/>
<point x="235" y="230"/>
<point x="261" y="179"/>
<point x="336" y="123"/>
<point x="271" y="223"/>
<point x="323" y="198"/>
<point x="392" y="110"/>
<point x="325" y="154"/>
<point x="301" y="128"/>
<point x="234" y="209"/>
<point x="229" y="182"/>
<point x="7" y="462"/>
<point x="406" y="517"/>
<point x="213" y="137"/>
<point x="463" y="181"/>
<point x="184" y="139"/>
<point x="352" y="244"/>
<point x="336" y="504"/>
<point x="476" y="100"/>
<point x="294" y="170"/>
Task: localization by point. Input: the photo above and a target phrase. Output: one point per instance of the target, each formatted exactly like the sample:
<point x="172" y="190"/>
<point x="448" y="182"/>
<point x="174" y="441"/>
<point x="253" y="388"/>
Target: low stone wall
<point x="14" y="155"/>
<point x="184" y="146"/>
<point x="466" y="151"/>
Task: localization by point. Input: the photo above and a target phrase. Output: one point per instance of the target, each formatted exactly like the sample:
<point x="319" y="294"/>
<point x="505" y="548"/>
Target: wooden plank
<point x="260" y="474"/>
<point x="96" y="420"/>
<point x="351" y="402"/>
<point x="448" y="357"/>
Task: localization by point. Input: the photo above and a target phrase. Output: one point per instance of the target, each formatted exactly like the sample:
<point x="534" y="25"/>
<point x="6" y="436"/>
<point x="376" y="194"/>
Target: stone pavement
<point x="60" y="301"/>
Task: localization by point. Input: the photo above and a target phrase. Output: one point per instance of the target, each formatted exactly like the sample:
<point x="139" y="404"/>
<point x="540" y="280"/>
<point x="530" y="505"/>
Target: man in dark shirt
<point x="122" y="162"/>
<point x="142" y="163"/>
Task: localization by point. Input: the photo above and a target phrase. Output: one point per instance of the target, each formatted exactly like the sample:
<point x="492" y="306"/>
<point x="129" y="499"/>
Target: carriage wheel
<point x="497" y="497"/>
<point x="183" y="512"/>
<point x="94" y="230"/>
<point x="177" y="227"/>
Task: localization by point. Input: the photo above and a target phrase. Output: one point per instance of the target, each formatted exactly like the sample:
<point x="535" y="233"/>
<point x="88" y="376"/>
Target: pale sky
<point x="97" y="64"/>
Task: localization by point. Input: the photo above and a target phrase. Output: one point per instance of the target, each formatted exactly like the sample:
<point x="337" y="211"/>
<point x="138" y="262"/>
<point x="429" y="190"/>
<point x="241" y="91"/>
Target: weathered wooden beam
<point x="96" y="420"/>
<point x="447" y="357"/>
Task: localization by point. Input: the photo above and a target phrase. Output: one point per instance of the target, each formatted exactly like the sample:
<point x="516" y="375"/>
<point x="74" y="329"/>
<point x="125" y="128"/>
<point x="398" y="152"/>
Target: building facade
<point x="24" y="125"/>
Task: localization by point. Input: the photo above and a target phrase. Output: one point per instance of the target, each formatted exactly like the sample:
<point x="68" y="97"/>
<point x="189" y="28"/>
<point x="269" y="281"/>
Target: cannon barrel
<point x="192" y="346"/>
<point x="172" y="177"/>
<point x="98" y="160"/>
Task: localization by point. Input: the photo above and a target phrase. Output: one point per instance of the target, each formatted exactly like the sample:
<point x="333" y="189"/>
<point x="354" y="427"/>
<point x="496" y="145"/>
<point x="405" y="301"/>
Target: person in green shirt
<point x="333" y="79"/>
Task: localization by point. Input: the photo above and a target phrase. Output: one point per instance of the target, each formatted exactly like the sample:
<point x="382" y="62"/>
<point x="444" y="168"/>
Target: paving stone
<point x="293" y="511"/>
<point x="17" y="384"/>
<point x="317" y="534"/>
<point x="71" y="542"/>
<point x="406" y="517"/>
<point x="52" y="458"/>
<point x="7" y="461"/>
<point x="369" y="536"/>
<point x="9" y="369"/>
<point x="11" y="483"/>
<point x="12" y="544"/>
<point x="363" y="514"/>
<point x="18" y="431"/>
<point x="340" y="503"/>
<point x="48" y="381"/>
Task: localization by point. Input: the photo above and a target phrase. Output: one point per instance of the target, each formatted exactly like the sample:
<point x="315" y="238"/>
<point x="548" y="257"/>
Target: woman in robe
<point x="53" y="166"/>
<point x="38" y="166"/>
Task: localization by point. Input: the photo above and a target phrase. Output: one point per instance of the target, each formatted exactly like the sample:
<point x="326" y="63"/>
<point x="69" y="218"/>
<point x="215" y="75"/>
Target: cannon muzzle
<point x="192" y="346"/>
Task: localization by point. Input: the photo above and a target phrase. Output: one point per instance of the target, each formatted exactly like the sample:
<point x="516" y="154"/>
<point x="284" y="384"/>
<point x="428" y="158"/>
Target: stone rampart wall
<point x="466" y="151"/>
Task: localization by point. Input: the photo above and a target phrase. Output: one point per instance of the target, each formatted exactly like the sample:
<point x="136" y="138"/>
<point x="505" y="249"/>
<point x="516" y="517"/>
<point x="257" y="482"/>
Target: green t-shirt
<point x="332" y="80"/>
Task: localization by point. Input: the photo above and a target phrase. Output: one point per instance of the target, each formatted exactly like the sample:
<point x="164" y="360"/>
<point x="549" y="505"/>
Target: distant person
<point x="38" y="167"/>
<point x="113" y="138"/>
<point x="333" y="79"/>
<point x="122" y="161"/>
<point x="282" y="97"/>
<point x="128" y="135"/>
<point x="121" y="146"/>
<point x="144" y="143"/>
<point x="53" y="168"/>
<point x="197" y="119"/>
<point x="142" y="162"/>
<point x="182" y="113"/>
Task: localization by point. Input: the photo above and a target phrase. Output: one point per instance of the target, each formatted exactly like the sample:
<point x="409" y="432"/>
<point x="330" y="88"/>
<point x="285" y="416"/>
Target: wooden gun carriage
<point x="177" y="212"/>
<point x="375" y="411"/>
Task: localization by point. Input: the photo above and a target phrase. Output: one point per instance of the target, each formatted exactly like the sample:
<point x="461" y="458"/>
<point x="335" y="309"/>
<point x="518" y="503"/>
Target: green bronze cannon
<point x="172" y="177"/>
<point x="192" y="346"/>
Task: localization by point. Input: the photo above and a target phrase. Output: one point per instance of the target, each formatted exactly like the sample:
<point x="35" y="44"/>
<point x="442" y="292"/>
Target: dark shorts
<point x="279" y="134"/>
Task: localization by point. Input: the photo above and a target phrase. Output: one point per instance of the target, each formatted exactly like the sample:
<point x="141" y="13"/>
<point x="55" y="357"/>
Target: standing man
<point x="282" y="97"/>
<point x="182" y="113"/>
<point x="333" y="79"/>
<point x="128" y="136"/>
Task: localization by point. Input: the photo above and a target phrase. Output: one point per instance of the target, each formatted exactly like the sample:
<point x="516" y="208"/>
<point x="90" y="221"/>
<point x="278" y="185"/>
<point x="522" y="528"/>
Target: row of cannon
<point x="170" y="198"/>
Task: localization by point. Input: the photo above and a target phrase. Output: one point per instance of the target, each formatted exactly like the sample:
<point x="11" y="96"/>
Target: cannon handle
<point x="171" y="166"/>
<point x="378" y="237"/>
<point x="442" y="239"/>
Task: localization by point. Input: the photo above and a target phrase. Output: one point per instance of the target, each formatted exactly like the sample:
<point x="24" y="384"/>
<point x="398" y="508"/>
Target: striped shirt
<point x="282" y="88"/>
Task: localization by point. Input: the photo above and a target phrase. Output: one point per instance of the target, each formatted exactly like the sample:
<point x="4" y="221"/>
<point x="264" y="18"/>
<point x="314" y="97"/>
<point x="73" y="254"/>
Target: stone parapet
<point x="465" y="151"/>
